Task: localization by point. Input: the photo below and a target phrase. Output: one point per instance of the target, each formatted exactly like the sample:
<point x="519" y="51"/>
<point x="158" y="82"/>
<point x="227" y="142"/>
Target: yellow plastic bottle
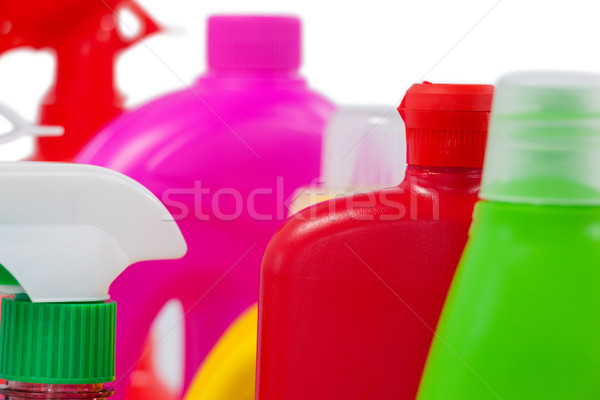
<point x="229" y="371"/>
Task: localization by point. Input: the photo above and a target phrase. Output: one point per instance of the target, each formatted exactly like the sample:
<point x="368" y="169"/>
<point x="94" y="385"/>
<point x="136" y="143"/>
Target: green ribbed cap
<point x="60" y="343"/>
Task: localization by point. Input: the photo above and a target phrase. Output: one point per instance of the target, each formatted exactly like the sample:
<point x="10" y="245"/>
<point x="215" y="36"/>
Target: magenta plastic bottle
<point x="225" y="156"/>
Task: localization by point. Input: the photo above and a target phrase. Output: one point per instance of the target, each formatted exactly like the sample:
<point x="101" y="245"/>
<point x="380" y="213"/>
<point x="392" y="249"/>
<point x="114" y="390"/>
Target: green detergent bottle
<point x="522" y="319"/>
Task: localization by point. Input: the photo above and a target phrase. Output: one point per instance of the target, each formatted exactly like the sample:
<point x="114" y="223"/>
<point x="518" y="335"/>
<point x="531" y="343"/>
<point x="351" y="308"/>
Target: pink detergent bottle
<point x="224" y="156"/>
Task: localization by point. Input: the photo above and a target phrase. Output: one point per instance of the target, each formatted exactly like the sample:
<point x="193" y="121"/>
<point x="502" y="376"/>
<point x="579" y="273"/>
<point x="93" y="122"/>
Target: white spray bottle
<point x="66" y="232"/>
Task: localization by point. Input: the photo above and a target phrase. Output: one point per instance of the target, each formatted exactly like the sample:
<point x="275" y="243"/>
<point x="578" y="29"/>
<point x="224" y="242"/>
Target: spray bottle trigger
<point x="147" y="25"/>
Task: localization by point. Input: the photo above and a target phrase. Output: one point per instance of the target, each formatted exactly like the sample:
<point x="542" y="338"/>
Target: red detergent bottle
<point x="351" y="289"/>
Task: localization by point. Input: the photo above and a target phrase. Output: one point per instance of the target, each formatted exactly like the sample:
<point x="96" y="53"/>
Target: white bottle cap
<point x="364" y="147"/>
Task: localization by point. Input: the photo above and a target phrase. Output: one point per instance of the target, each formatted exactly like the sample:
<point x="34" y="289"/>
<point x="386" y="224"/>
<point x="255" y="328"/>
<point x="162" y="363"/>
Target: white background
<point x="355" y="52"/>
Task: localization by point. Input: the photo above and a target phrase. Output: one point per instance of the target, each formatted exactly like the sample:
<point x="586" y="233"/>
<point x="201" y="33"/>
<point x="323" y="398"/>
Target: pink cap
<point x="253" y="42"/>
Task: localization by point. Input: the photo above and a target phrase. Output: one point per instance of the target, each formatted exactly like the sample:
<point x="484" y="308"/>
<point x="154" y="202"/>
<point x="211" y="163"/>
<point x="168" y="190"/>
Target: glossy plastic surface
<point x="85" y="37"/>
<point x="351" y="289"/>
<point x="519" y="320"/>
<point x="224" y="156"/>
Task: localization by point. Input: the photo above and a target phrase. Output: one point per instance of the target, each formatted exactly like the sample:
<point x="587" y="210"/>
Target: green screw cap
<point x="57" y="343"/>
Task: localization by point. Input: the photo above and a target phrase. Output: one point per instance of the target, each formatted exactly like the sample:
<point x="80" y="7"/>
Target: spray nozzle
<point x="20" y="127"/>
<point x="67" y="231"/>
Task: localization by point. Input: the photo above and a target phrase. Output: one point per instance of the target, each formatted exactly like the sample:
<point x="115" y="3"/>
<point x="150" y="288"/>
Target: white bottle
<point x="364" y="149"/>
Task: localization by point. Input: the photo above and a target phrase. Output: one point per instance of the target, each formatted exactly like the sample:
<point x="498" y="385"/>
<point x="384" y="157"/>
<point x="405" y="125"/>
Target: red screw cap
<point x="446" y="124"/>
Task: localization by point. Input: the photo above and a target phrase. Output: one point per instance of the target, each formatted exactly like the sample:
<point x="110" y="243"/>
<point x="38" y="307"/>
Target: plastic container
<point x="351" y="289"/>
<point x="519" y="322"/>
<point x="224" y="156"/>
<point x="57" y="330"/>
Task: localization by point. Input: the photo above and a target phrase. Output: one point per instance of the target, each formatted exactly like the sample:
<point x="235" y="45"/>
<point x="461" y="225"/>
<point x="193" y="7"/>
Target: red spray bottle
<point x="85" y="37"/>
<point x="351" y="289"/>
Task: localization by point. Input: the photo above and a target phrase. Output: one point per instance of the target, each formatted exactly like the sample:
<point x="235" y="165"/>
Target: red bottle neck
<point x="84" y="96"/>
<point x="85" y="62"/>
<point x="443" y="178"/>
<point x="28" y="391"/>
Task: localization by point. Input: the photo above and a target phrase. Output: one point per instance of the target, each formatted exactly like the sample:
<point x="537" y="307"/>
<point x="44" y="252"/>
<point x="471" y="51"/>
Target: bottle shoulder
<point x="402" y="204"/>
<point x="196" y="104"/>
<point x="533" y="216"/>
<point x="194" y="123"/>
<point x="535" y="225"/>
<point x="207" y="97"/>
<point x="393" y="225"/>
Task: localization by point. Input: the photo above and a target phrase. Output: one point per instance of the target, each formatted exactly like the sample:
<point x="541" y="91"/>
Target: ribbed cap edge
<point x="61" y="343"/>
